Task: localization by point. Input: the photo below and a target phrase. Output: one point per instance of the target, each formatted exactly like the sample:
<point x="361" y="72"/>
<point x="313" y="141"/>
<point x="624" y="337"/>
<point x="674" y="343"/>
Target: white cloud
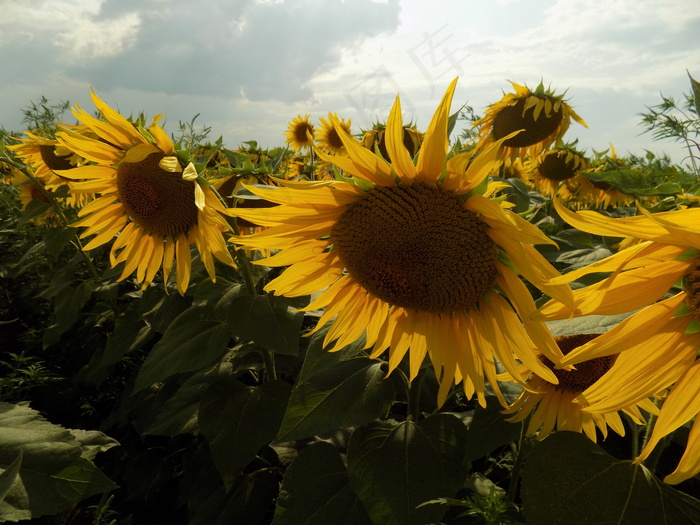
<point x="88" y="39"/>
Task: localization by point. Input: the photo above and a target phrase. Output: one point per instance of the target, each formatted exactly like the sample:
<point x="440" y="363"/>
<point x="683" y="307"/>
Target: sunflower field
<point x="474" y="323"/>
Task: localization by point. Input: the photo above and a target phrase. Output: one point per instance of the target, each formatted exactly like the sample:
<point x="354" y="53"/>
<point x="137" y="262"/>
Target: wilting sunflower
<point x="411" y="256"/>
<point x="657" y="345"/>
<point x="154" y="207"/>
<point x="375" y="139"/>
<point x="328" y="138"/>
<point x="543" y="117"/>
<point x="553" y="407"/>
<point x="46" y="157"/>
<point x="554" y="170"/>
<point x="300" y="133"/>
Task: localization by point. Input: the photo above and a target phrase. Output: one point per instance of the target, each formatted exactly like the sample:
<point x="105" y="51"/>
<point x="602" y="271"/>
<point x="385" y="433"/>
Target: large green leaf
<point x="489" y="430"/>
<point x="189" y="344"/>
<point x="569" y="479"/>
<point x="268" y="320"/>
<point x="316" y="491"/>
<point x="318" y="358"/>
<point x="55" y="470"/>
<point x="396" y="467"/>
<point x="68" y="305"/>
<point x="349" y="393"/>
<point x="238" y="421"/>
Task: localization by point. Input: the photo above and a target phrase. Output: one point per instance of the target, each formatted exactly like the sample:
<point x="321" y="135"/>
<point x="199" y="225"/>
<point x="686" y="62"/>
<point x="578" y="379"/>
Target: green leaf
<point x="394" y="468"/>
<point x="67" y="311"/>
<point x="349" y="393"/>
<point x="316" y="491"/>
<point x="238" y="421"/>
<point x="9" y="475"/>
<point x="55" y="472"/>
<point x="318" y="358"/>
<point x="56" y="239"/>
<point x="187" y="345"/>
<point x="130" y="333"/>
<point x="695" y="86"/>
<point x="267" y="320"/>
<point x="569" y="479"/>
<point x="588" y="324"/>
<point x="489" y="430"/>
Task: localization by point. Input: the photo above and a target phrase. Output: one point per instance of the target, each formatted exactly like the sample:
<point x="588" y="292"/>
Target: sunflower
<point x="328" y="138"/>
<point x="554" y="170"/>
<point x="553" y="405"/>
<point x="156" y="208"/>
<point x="230" y="188"/>
<point x="300" y="133"/>
<point x="29" y="192"/>
<point x="46" y="157"/>
<point x="412" y="256"/>
<point x="543" y="117"/>
<point x="375" y="139"/>
<point x="659" y="343"/>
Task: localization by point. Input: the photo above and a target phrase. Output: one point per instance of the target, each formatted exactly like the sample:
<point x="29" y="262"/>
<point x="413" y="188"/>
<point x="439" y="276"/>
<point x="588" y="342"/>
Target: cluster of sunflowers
<point x="410" y="244"/>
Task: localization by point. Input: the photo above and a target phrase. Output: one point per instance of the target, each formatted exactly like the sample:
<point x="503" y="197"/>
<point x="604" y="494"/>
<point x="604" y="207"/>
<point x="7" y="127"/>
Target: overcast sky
<point x="249" y="66"/>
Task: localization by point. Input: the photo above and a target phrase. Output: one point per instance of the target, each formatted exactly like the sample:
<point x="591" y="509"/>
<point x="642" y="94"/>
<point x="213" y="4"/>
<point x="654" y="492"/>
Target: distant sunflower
<point x="154" y="207"/>
<point x="376" y="138"/>
<point x="543" y="116"/>
<point x="230" y="188"/>
<point x="550" y="169"/>
<point x="29" y="192"/>
<point x="300" y="133"/>
<point x="328" y="137"/>
<point x="598" y="193"/>
<point x="658" y="345"/>
<point x="413" y="257"/>
<point x="46" y="157"/>
<point x="552" y="406"/>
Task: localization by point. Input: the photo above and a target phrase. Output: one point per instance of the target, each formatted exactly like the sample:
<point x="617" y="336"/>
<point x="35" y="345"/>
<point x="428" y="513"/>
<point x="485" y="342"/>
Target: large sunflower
<point x="154" y="207"/>
<point x="553" y="407"/>
<point x="412" y="256"/>
<point x="375" y="139"/>
<point x="300" y="133"/>
<point x="543" y="116"/>
<point x="659" y="343"/>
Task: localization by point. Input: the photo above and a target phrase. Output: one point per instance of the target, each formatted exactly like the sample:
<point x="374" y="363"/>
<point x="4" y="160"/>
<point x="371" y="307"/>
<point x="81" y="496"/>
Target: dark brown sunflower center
<point x="300" y="131"/>
<point x="53" y="161"/>
<point x="586" y="373"/>
<point x="160" y="201"/>
<point x="555" y="167"/>
<point x="417" y="247"/>
<point x="691" y="283"/>
<point x="515" y="117"/>
<point x="334" y="139"/>
<point x="38" y="195"/>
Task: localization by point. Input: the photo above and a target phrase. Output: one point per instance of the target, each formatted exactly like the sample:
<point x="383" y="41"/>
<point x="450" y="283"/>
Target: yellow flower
<point x="328" y="137"/>
<point x="46" y="157"/>
<point x="412" y="257"/>
<point x="300" y="133"/>
<point x="154" y="208"/>
<point x="543" y="116"/>
<point x="599" y="194"/>
<point x="28" y="192"/>
<point x="553" y="407"/>
<point x="550" y="169"/>
<point x="658" y="344"/>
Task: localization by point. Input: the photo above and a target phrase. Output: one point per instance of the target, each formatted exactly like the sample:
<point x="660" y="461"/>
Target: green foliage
<point x="40" y="116"/>
<point x="557" y="488"/>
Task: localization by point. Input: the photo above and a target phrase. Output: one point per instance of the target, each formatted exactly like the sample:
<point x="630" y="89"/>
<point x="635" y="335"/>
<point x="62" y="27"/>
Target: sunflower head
<point x="300" y="133"/>
<point x="374" y="139"/>
<point x="556" y="168"/>
<point x="541" y="118"/>
<point x="328" y="137"/>
<point x="46" y="157"/>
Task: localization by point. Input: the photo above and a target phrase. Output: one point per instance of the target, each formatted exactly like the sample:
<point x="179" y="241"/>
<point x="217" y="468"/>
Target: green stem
<point x="517" y="465"/>
<point x="59" y="213"/>
<point x="653" y="459"/>
<point x="414" y="389"/>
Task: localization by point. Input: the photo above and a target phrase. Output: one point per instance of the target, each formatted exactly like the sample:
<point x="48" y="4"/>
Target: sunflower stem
<point x="59" y="213"/>
<point x="652" y="460"/>
<point x="517" y="465"/>
<point x="414" y="389"/>
<point x="269" y="362"/>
